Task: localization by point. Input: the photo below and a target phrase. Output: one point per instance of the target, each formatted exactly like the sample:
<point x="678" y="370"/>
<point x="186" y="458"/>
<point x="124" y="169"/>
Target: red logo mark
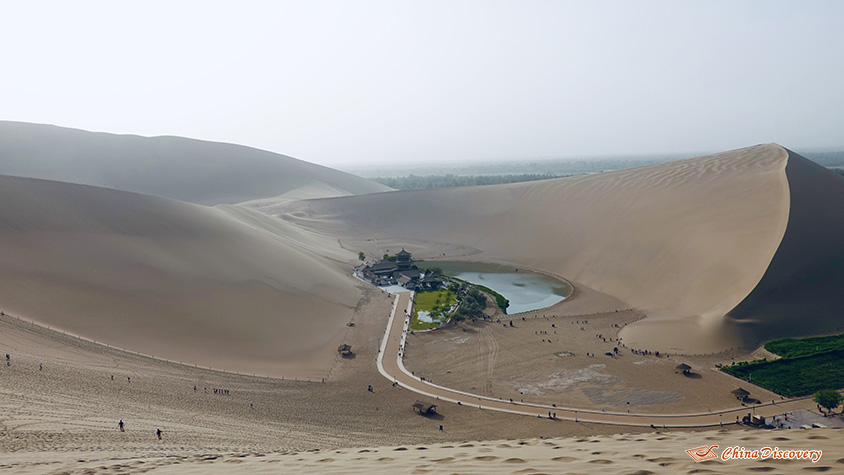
<point x="704" y="452"/>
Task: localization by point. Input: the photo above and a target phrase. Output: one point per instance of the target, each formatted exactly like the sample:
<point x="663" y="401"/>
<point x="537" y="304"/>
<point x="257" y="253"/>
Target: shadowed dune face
<point x="224" y="287"/>
<point x="686" y="241"/>
<point x="802" y="291"/>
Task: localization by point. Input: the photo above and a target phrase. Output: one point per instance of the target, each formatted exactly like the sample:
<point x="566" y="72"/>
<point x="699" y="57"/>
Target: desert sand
<point x="701" y="259"/>
<point x="222" y="287"/>
<point x="197" y="171"/>
<point x="684" y="242"/>
<point x="662" y="453"/>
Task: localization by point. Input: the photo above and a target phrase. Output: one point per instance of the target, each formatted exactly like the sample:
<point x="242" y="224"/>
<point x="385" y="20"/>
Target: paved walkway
<point x="391" y="366"/>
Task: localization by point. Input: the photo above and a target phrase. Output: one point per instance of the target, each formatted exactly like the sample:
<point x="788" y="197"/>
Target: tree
<point x="828" y="399"/>
<point x="361" y="256"/>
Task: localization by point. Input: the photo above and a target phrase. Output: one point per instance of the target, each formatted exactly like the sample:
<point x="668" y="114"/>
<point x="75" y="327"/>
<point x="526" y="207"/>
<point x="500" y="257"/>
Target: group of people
<point x="121" y="426"/>
<point x="648" y="353"/>
<point x="9" y="362"/>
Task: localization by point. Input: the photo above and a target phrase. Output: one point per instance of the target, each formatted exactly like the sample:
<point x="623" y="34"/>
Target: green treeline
<point x="427" y="182"/>
<point x="806" y="366"/>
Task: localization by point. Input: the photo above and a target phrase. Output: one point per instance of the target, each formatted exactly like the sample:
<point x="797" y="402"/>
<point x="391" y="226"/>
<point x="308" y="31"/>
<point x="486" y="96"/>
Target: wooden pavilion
<point x="740" y="393"/>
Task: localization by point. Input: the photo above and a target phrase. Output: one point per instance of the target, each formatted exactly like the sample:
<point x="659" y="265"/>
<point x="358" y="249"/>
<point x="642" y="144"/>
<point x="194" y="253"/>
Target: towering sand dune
<point x="802" y="291"/>
<point x="685" y="241"/>
<point x="173" y="167"/>
<point x="224" y="287"/>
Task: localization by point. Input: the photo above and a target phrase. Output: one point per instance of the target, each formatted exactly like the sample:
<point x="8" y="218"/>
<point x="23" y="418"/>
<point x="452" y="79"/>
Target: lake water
<point x="525" y="290"/>
<point x="424" y="316"/>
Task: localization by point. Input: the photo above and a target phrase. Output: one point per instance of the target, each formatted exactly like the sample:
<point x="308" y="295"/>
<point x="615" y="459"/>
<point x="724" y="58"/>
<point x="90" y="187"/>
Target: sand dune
<point x="224" y="287"/>
<point x="800" y="293"/>
<point x="685" y="241"/>
<point x="173" y="167"/>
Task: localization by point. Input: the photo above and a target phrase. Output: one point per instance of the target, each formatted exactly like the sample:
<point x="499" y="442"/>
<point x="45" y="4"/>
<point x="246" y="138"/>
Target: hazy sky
<point x="353" y="81"/>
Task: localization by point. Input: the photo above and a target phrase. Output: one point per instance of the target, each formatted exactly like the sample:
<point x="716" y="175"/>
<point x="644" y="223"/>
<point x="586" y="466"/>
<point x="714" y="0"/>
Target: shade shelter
<point x="683" y="367"/>
<point x="740" y="393"/>
<point x="424" y="409"/>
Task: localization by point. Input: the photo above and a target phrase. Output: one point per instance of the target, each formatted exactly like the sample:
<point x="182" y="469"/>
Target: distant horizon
<point x="375" y="81"/>
<point x="364" y="166"/>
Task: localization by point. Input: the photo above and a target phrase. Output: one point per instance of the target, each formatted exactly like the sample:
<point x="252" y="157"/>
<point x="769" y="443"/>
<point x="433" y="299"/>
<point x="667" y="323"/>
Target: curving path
<point x="391" y="366"/>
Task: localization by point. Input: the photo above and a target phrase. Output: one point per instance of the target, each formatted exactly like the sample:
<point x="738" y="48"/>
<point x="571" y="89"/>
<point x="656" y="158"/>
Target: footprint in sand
<point x="563" y="459"/>
<point x="816" y="437"/>
<point x="514" y="460"/>
<point x="602" y="462"/>
<point x="761" y="469"/>
<point x="818" y="469"/>
<point x="445" y="460"/>
<point x="486" y="458"/>
<point x="663" y="461"/>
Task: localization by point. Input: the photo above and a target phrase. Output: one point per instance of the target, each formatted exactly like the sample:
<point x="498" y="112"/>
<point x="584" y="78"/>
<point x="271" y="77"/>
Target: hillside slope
<point x="801" y="291"/>
<point x="173" y="167"/>
<point x="224" y="287"/>
<point x="686" y="241"/>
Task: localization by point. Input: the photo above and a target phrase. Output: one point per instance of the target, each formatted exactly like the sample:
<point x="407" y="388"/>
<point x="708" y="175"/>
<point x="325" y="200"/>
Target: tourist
<point x="158" y="433"/>
<point x="120" y="425"/>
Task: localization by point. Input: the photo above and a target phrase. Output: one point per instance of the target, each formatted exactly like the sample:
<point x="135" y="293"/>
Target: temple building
<point x="401" y="271"/>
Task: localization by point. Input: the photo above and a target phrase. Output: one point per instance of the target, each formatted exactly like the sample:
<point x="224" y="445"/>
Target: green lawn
<point x="807" y="365"/>
<point x="795" y="376"/>
<point x="437" y="303"/>
<point x="793" y="347"/>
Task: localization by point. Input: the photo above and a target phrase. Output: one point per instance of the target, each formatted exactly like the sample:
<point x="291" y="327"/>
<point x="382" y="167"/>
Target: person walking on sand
<point x="158" y="433"/>
<point x="120" y="425"/>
